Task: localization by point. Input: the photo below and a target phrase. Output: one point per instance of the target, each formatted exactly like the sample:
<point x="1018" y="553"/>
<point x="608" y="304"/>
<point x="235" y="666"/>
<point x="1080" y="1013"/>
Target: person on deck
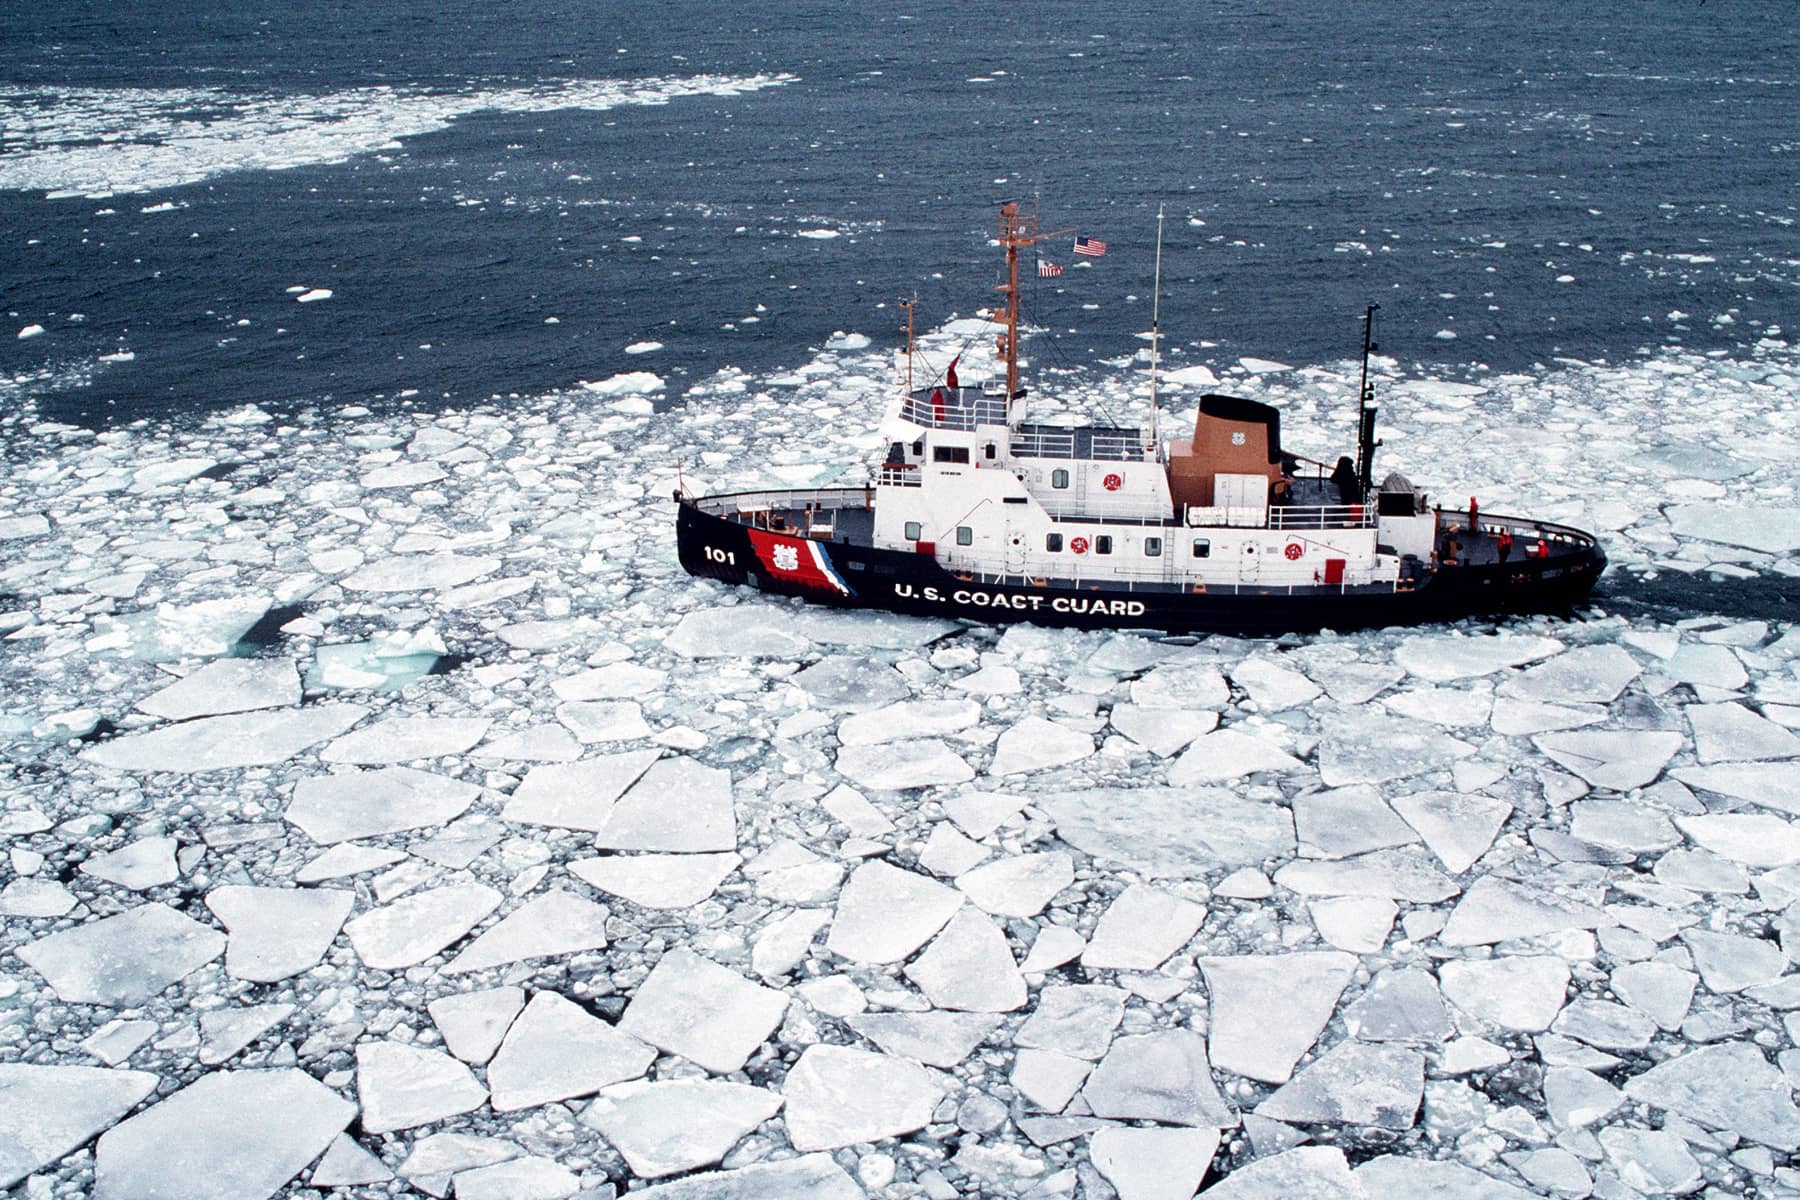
<point x="1503" y="544"/>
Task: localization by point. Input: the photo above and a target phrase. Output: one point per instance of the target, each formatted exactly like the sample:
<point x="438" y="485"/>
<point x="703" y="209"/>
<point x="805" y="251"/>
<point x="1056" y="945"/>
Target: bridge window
<point x="1153" y="547"/>
<point x="1202" y="548"/>
<point x="987" y="452"/>
<point x="1059" y="478"/>
<point x="950" y="454"/>
<point x="913" y="531"/>
<point x="1103" y="544"/>
<point x="965" y="536"/>
<point x="1053" y="542"/>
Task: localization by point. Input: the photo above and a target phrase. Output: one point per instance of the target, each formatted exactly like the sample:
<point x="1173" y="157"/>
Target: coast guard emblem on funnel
<point x="798" y="560"/>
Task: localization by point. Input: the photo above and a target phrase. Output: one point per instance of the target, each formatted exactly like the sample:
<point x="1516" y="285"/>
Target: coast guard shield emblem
<point x="798" y="560"/>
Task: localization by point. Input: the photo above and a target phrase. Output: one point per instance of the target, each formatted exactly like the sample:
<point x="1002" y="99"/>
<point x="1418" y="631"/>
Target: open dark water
<point x="494" y="210"/>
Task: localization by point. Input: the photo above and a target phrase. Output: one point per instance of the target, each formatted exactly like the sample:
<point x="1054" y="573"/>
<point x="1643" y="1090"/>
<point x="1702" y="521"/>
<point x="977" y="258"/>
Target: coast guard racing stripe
<point x="798" y="560"/>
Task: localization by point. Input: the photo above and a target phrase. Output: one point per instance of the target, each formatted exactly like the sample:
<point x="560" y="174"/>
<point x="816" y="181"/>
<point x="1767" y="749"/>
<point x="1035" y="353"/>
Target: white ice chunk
<point x="404" y="739"/>
<point x="347" y="805"/>
<point x="556" y="1050"/>
<point x="1442" y="658"/>
<point x="50" y="1110"/>
<point x="1403" y="874"/>
<point x="143" y="864"/>
<point x="615" y="681"/>
<point x="671" y="1126"/>
<point x="853" y="810"/>
<point x="1729" y="1086"/>
<point x="1653" y="1161"/>
<point x="1162" y="731"/>
<point x="1772" y="785"/>
<point x="657" y="880"/>
<point x="1359" y="924"/>
<point x="1615" y="759"/>
<point x="1019" y="886"/>
<point x="413" y="928"/>
<point x="1140" y="929"/>
<point x="708" y="1014"/>
<point x="577" y="795"/>
<point x="1074" y="1019"/>
<point x="531" y="1178"/>
<point x="1353" y="1083"/>
<point x="1153" y="1164"/>
<point x="123" y="960"/>
<point x="1495" y="910"/>
<point x="276" y="933"/>
<point x="402" y="1086"/>
<point x="1457" y="827"/>
<point x="982" y="814"/>
<point x="1037" y="744"/>
<point x="1185" y="686"/>
<point x="1267" y="1009"/>
<point x="838" y="1096"/>
<point x="473" y="1023"/>
<point x="809" y="1177"/>
<point x="1522" y="993"/>
<point x="937" y="1039"/>
<point x="347" y="1164"/>
<point x="1171" y="832"/>
<point x="554" y="923"/>
<point x="1622" y="825"/>
<point x="908" y="719"/>
<point x="1730" y="962"/>
<point x="1754" y="839"/>
<point x="885" y="913"/>
<point x="1396" y="1177"/>
<point x="237" y="1135"/>
<point x="1347" y="822"/>
<point x="225" y="1031"/>
<point x="1273" y="686"/>
<point x="1594" y="674"/>
<point x="924" y="762"/>
<point x="420" y="572"/>
<point x="969" y="967"/>
<point x="227" y="685"/>
<point x="1768" y="529"/>
<point x="1517" y="718"/>
<point x="1362" y="746"/>
<point x="347" y="859"/>
<point x="1163" y="1077"/>
<point x="1732" y="733"/>
<point x="1402" y="1004"/>
<point x="677" y="806"/>
<point x="749" y="630"/>
<point x="403" y="475"/>
<point x="1302" y="1173"/>
<point x="1229" y="754"/>
<point x="846" y="683"/>
<point x="1661" y="991"/>
<point x="594" y="721"/>
<point x="224" y="742"/>
<point x="535" y="743"/>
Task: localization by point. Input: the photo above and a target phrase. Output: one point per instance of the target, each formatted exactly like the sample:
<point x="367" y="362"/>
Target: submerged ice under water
<point x="661" y="877"/>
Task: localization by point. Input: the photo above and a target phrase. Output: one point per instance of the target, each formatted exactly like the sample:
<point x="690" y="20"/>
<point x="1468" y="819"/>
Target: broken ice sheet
<point x="1268" y="1009"/>
<point x="221" y="743"/>
<point x="1171" y="832"/>
<point x="123" y="960"/>
<point x="346" y="805"/>
<point x="708" y="1014"/>
<point x="556" y="922"/>
<point x="275" y="933"/>
<point x="556" y="1050"/>
<point x="666" y="1127"/>
<point x="50" y="1110"/>
<point x="838" y="1096"/>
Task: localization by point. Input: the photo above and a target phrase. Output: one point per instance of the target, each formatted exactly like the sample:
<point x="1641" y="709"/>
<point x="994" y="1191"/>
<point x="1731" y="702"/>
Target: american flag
<point x="1048" y="270"/>
<point x="1092" y="247"/>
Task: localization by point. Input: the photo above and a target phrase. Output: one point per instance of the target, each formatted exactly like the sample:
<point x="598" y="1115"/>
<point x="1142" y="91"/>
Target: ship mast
<point x="1366" y="441"/>
<point x="1155" y="322"/>
<point x="1016" y="231"/>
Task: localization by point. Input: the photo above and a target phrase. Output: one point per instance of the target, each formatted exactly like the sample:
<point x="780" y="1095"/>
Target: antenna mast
<point x="1365" y="396"/>
<point x="1016" y="231"/>
<point x="909" y="306"/>
<point x="1155" y="322"/>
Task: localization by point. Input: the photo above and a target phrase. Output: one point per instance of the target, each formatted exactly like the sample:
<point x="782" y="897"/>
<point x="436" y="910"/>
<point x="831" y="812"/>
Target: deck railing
<point x="1322" y="516"/>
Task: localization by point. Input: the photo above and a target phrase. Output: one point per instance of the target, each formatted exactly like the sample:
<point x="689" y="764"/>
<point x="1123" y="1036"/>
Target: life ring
<point x="1112" y="483"/>
<point x="1079" y="545"/>
<point x="1294" y="551"/>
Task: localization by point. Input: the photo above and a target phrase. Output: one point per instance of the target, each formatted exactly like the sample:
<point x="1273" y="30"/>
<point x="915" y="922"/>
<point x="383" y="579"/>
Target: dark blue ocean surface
<point x="501" y="199"/>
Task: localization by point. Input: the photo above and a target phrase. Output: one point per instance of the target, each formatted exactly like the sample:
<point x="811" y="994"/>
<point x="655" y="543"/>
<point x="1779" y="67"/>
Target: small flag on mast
<point x="1091" y="247"/>
<point x="1048" y="270"/>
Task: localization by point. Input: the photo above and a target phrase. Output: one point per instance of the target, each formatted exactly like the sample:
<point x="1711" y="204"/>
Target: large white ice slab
<point x="885" y="913"/>
<point x="123" y="960"/>
<point x="657" y="880"/>
<point x="1364" y="746"/>
<point x="1353" y="1083"/>
<point x="1732" y="733"/>
<point x="1019" y="886"/>
<point x="576" y="795"/>
<point x="231" y="1135"/>
<point x="50" y="1110"/>
<point x="809" y="1177"/>
<point x="1730" y="1087"/>
<point x="1140" y="929"/>
<point x="1754" y="839"/>
<point x="420" y="572"/>
<point x="1074" y="1019"/>
<point x="556" y="1050"/>
<point x="678" y="806"/>
<point x="1153" y="1164"/>
<point x="1457" y="827"/>
<point x="1302" y="1173"/>
<point x="1617" y="759"/>
<point x="1163" y="1077"/>
<point x="1520" y="993"/>
<point x="556" y="922"/>
<point x="1591" y="674"/>
<point x="1771" y="530"/>
<point x="1036" y="744"/>
<point x="222" y="743"/>
<point x="708" y="1014"/>
<point x="1171" y="832"/>
<point x="969" y="967"/>
<point x="141" y="865"/>
<point x="402" y="1086"/>
<point x="404" y="739"/>
<point x="1442" y="658"/>
<point x="1495" y="910"/>
<point x="274" y="932"/>
<point x="908" y="719"/>
<point x="838" y="1096"/>
<point x="1267" y="1009"/>
<point x="890" y="766"/>
<point x="1229" y="754"/>
<point x="413" y="928"/>
<point x="346" y="805"/>
<point x="678" y="1125"/>
<point x="227" y="685"/>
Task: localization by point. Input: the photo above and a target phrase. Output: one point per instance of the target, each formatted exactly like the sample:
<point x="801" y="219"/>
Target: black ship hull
<point x="854" y="576"/>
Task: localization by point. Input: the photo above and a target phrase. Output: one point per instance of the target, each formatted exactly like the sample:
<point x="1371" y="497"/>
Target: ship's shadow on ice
<point x="1674" y="596"/>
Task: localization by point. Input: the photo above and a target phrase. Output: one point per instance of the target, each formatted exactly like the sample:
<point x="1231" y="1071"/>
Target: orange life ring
<point x="1079" y="545"/>
<point x="1112" y="483"/>
<point x="1294" y="551"/>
